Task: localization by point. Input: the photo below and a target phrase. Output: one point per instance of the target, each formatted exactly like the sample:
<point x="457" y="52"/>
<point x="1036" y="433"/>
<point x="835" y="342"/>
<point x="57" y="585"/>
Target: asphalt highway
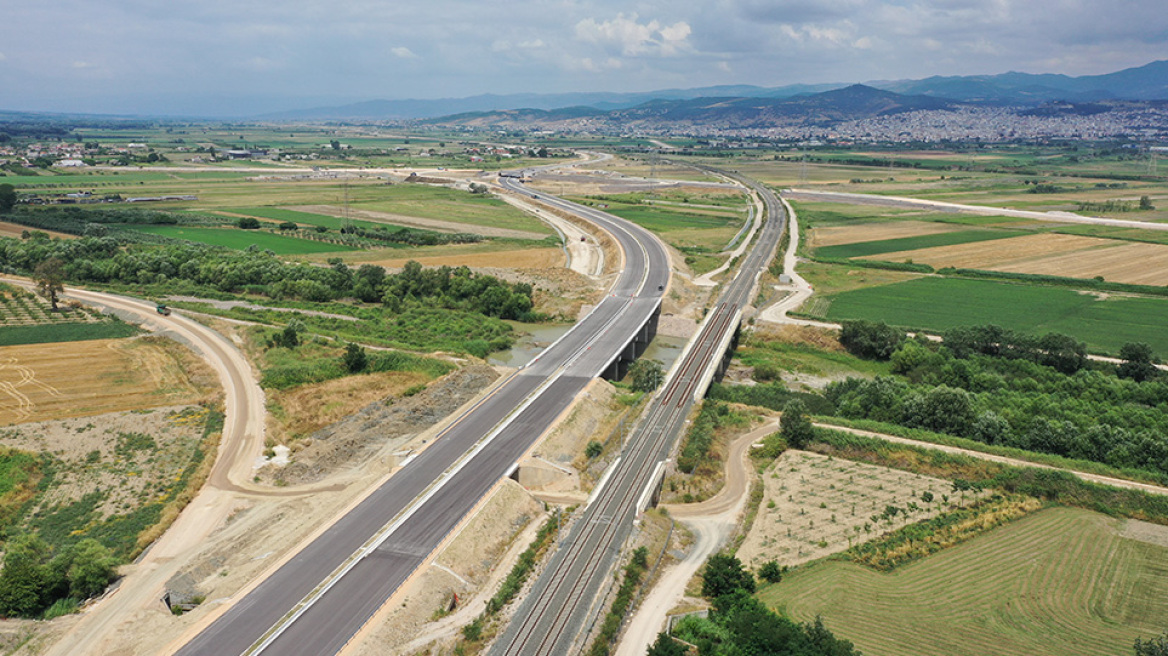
<point x="463" y="469"/>
<point x="563" y="599"/>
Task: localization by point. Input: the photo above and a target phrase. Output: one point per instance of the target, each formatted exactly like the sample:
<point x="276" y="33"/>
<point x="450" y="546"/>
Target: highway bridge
<point x="316" y="602"/>
<point x="563" y="601"/>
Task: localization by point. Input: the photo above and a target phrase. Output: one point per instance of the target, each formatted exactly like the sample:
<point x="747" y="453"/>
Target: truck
<point x="163" y="310"/>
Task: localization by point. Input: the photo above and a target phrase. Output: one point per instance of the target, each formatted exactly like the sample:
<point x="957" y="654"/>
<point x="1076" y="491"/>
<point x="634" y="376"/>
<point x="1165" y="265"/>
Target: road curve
<point x="562" y="601"/>
<point x="241" y="443"/>
<point x="325" y="593"/>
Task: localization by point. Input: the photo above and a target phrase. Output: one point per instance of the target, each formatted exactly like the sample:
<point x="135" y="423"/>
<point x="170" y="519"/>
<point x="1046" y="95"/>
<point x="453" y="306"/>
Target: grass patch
<point x="292" y="372"/>
<point x="65" y="332"/>
<point x="1060" y="581"/>
<point x="937" y="304"/>
<point x="243" y="239"/>
<point x="865" y="248"/>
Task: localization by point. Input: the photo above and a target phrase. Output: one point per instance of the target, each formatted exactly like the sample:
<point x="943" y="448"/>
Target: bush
<point x="593" y="449"/>
<point x="248" y="223"/>
<point x="355" y="359"/>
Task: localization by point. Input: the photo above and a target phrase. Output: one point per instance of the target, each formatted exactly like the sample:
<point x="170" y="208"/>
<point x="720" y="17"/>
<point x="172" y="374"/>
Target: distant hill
<point x="1149" y="82"/>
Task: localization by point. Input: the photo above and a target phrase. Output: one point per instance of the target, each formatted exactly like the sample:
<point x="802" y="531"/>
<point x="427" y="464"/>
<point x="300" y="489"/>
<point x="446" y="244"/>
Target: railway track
<point x="560" y="604"/>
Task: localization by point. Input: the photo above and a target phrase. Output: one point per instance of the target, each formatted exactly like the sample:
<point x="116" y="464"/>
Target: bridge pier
<point x="619" y="367"/>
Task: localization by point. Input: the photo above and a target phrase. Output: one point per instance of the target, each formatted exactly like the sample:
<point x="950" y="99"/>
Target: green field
<point x="1057" y="582"/>
<point x="241" y="239"/>
<point x="65" y="332"/>
<point x="865" y="248"/>
<point x="937" y="304"/>
<point x="449" y="205"/>
<point x="305" y="218"/>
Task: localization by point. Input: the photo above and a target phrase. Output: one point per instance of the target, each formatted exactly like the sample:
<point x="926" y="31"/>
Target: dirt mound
<point x="388" y="422"/>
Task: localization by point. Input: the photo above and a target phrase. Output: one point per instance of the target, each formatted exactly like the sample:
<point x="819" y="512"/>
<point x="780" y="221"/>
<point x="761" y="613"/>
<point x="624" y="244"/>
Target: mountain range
<point x="1148" y="82"/>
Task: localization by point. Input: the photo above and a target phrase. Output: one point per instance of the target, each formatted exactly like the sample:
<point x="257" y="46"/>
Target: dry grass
<point x="299" y="411"/>
<point x="75" y="379"/>
<point x="834" y="236"/>
<point x="819" y="338"/>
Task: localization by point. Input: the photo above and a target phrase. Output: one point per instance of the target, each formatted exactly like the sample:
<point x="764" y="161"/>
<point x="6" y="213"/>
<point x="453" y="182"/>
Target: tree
<point x="50" y="277"/>
<point x="355" y="358"/>
<point x="647" y="375"/>
<point x="794" y="425"/>
<point x="725" y="574"/>
<point x="667" y="646"/>
<point x="871" y="340"/>
<point x="91" y="569"/>
<point x="23" y="579"/>
<point x="1146" y="203"/>
<point x="771" y="572"/>
<point x="1157" y="646"/>
<point x="942" y="409"/>
<point x="1139" y="363"/>
<point x="7" y="197"/>
<point x="289" y="225"/>
<point x="248" y="223"/>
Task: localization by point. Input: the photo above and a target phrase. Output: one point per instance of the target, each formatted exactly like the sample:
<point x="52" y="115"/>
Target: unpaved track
<point x="917" y="203"/>
<point x="711" y="522"/>
<point x="241" y="444"/>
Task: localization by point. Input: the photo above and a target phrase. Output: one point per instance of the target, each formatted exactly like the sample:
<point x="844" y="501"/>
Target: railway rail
<point x="550" y="619"/>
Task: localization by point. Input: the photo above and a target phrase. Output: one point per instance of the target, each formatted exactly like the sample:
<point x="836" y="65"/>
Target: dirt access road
<point x="241" y="444"/>
<point x="712" y="521"/>
<point x="917" y="203"/>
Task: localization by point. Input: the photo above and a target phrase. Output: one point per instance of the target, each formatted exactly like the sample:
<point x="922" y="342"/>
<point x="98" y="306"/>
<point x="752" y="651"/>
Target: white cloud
<point x="84" y="65"/>
<point x="403" y="52"/>
<point x="3" y="57"/>
<point x="624" y="35"/>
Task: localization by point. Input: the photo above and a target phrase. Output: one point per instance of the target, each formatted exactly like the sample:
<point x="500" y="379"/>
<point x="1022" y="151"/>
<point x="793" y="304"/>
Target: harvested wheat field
<point x="531" y="258"/>
<point x="1132" y="263"/>
<point x="999" y="252"/>
<point x="74" y="379"/>
<point x="1060" y="581"/>
<point x="1070" y="256"/>
<point x="852" y="234"/>
<point x="815" y="505"/>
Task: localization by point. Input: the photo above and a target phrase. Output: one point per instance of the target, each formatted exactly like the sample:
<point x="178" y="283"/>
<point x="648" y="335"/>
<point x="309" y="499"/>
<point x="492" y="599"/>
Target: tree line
<point x="105" y="260"/>
<point x="999" y="387"/>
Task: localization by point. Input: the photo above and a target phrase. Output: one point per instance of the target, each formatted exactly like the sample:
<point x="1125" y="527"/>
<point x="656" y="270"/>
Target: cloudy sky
<point x="242" y="57"/>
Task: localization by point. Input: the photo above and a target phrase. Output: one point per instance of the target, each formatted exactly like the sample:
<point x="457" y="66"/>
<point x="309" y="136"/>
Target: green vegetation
<point x="939" y="304"/>
<point x="918" y="540"/>
<point x="614" y="619"/>
<point x="695" y="451"/>
<point x="1089" y="415"/>
<point x="65" y="332"/>
<point x="320" y="363"/>
<point x="740" y="624"/>
<point x="647" y="375"/>
<point x="1047" y="583"/>
<point x="244" y="239"/>
<point x="475" y="631"/>
<point x="862" y="249"/>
